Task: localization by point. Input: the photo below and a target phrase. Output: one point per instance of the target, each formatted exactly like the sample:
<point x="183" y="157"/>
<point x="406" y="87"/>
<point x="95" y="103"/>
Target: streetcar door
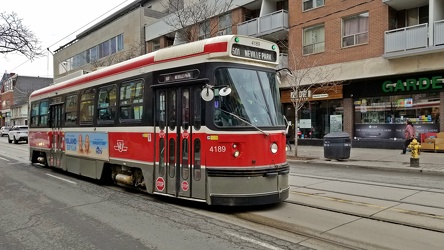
<point x="55" y="122"/>
<point x="178" y="146"/>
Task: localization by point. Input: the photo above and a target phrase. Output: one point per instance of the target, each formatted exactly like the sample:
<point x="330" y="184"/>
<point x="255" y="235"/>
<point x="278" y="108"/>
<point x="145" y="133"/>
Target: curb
<point x="364" y="164"/>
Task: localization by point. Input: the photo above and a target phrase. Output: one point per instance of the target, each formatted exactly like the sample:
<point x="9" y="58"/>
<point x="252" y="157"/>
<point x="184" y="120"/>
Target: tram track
<point x="356" y="200"/>
<point x="417" y="189"/>
<point x="322" y="238"/>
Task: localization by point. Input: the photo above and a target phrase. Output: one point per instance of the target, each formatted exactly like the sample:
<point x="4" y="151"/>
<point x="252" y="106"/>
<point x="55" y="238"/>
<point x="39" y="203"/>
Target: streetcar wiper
<point x="243" y="120"/>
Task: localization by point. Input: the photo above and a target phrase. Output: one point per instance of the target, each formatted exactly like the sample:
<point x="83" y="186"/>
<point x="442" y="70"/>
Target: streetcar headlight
<point x="236" y="154"/>
<point x="274" y="148"/>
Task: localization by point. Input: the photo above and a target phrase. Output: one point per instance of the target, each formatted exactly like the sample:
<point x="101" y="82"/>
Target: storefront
<point x="382" y="106"/>
<point x="321" y="111"/>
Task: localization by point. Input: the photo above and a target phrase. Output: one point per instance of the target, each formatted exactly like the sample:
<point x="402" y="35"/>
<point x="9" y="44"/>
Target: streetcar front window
<point x="254" y="99"/>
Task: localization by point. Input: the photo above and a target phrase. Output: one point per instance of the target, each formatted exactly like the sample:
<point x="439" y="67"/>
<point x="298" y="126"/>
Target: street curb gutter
<point x="364" y="164"/>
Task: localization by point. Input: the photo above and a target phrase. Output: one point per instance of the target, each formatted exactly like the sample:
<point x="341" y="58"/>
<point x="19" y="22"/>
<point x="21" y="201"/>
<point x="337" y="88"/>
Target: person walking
<point x="409" y="134"/>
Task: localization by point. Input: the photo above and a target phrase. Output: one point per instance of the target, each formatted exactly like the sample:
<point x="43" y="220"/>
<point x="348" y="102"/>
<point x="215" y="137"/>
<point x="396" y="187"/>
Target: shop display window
<point x="418" y="108"/>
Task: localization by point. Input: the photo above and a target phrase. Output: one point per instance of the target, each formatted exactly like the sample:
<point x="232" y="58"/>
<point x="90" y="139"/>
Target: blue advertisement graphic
<point x="92" y="144"/>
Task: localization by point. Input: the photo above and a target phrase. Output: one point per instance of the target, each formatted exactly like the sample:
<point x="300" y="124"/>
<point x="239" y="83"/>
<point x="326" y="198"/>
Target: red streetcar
<point x="200" y="121"/>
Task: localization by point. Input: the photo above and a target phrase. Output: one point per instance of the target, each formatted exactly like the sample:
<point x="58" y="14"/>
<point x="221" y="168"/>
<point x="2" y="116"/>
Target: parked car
<point x="18" y="133"/>
<point x="4" y="130"/>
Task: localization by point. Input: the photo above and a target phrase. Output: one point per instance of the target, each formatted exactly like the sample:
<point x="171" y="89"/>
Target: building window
<point x="204" y="30"/>
<point x="224" y="25"/>
<point x="156" y="44"/>
<point x="314" y="39"/>
<point x="93" y="54"/>
<point x="311" y="4"/>
<point x="355" y="30"/>
<point x="417" y="16"/>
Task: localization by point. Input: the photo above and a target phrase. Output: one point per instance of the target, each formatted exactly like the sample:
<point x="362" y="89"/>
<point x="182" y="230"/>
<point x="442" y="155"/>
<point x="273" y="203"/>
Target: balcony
<point x="273" y="26"/>
<point x="405" y="4"/>
<point x="414" y="40"/>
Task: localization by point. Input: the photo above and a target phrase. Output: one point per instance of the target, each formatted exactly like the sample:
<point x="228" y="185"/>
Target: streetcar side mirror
<point x="207" y="94"/>
<point x="225" y="91"/>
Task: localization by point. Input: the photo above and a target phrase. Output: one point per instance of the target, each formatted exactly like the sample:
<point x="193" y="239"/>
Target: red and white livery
<point x="199" y="121"/>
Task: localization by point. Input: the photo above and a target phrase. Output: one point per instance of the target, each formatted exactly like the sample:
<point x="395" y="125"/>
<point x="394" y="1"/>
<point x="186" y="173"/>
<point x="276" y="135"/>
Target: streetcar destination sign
<point x="253" y="53"/>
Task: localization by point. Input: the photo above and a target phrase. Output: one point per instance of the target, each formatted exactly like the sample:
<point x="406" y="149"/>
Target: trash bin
<point x="337" y="145"/>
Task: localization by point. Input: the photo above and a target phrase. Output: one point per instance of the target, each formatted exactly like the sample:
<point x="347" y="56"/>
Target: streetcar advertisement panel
<point x="91" y="144"/>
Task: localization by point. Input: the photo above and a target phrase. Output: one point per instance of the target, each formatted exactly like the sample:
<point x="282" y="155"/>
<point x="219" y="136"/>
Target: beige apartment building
<point x="117" y="38"/>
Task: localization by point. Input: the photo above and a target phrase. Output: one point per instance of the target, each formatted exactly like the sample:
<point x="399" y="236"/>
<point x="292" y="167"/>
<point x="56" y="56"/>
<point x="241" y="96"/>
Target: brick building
<point x="388" y="58"/>
<point x="15" y="91"/>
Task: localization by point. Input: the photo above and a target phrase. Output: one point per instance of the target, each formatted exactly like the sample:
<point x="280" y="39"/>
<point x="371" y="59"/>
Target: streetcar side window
<point x="131" y="101"/>
<point x="197" y="119"/>
<point x="185" y="159"/>
<point x="162" y="156"/>
<point x="71" y="110"/>
<point x="185" y="108"/>
<point x="172" y="158"/>
<point x="162" y="110"/>
<point x="106" y="107"/>
<point x="35" y="114"/>
<point x="43" y="113"/>
<point x="87" y="107"/>
<point x="197" y="167"/>
<point x="171" y="109"/>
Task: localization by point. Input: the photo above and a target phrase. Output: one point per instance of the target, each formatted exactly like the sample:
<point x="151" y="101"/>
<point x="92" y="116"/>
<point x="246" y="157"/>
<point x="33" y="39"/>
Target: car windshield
<point x="254" y="98"/>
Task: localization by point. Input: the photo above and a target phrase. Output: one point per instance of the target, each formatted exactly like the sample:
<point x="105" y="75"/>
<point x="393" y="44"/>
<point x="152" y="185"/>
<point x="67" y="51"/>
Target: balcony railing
<point x="439" y="33"/>
<point x="414" y="39"/>
<point x="266" y="24"/>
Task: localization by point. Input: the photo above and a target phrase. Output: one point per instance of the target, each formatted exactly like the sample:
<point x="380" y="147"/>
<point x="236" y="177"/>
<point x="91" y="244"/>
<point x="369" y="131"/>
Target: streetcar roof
<point x="212" y="47"/>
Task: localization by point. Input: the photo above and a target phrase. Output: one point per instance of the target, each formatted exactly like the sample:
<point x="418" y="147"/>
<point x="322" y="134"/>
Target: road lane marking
<point x="4" y="159"/>
<point x="260" y="243"/>
<point x="60" y="178"/>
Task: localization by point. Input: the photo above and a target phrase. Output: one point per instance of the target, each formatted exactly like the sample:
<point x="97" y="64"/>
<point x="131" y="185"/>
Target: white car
<point x="18" y="133"/>
<point x="4" y="131"/>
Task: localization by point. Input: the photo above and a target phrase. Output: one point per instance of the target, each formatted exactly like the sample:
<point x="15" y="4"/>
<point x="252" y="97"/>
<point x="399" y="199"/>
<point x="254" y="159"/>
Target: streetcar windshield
<point x="254" y="98"/>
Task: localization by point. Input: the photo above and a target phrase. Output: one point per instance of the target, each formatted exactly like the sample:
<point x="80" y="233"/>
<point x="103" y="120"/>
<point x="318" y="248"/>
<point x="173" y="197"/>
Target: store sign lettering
<point x="413" y="85"/>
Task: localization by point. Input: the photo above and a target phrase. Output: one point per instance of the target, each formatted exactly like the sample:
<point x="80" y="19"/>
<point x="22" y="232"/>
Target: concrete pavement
<point x="383" y="159"/>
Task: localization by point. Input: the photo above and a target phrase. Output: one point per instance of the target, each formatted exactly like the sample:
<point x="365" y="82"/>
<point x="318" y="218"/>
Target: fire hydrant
<point x="414" y="147"/>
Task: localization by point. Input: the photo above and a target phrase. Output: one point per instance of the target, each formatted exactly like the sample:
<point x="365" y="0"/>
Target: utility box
<point x="337" y="145"/>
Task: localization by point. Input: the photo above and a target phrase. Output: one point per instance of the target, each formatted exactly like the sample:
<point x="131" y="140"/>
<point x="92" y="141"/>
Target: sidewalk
<point x="383" y="159"/>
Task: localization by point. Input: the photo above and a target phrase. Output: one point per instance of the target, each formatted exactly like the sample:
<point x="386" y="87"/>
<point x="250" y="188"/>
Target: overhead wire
<point x="94" y="20"/>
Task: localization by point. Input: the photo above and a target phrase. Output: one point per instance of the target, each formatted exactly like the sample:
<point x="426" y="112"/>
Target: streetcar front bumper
<point x="248" y="187"/>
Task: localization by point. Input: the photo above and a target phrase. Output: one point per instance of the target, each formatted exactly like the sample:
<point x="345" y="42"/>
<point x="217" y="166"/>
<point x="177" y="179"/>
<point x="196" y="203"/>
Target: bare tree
<point x="309" y="77"/>
<point x="192" y="19"/>
<point x="15" y="37"/>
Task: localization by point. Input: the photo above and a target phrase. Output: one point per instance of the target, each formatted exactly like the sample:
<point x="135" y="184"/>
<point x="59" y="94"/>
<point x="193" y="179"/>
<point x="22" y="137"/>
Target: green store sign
<point x="409" y="85"/>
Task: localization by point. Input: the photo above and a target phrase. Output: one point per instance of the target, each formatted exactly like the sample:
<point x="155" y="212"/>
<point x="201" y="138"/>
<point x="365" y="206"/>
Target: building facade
<point x="383" y="58"/>
<point x="14" y="97"/>
<point x="117" y="38"/>
<point x="386" y="54"/>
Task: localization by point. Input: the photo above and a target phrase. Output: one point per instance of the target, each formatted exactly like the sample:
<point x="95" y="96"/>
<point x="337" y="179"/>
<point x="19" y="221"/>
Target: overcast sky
<point x="54" y="23"/>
